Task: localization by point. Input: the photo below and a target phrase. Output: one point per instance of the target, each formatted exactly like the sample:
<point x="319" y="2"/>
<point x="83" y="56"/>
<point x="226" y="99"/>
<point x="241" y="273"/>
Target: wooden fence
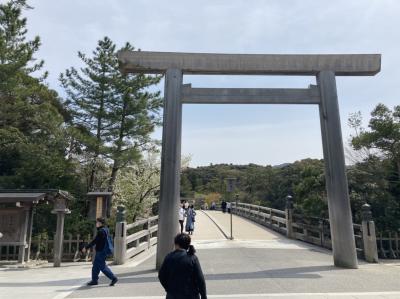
<point x="43" y="249"/>
<point x="9" y="251"/>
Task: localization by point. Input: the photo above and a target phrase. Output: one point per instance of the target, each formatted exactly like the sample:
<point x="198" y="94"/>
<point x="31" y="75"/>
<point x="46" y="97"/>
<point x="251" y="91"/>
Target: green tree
<point x="384" y="134"/>
<point x="369" y="181"/>
<point x="309" y="188"/>
<point x="32" y="137"/>
<point x="16" y="53"/>
<point x="375" y="178"/>
<point x="90" y="95"/>
<point x="134" y="115"/>
<point x="113" y="113"/>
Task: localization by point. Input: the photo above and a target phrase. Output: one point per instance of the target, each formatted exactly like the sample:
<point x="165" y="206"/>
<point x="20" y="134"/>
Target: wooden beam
<point x="249" y="64"/>
<point x="250" y="95"/>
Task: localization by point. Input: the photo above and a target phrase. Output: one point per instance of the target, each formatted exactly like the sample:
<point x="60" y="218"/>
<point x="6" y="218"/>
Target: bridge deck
<point x="257" y="264"/>
<point x="243" y="229"/>
<point x="205" y="229"/>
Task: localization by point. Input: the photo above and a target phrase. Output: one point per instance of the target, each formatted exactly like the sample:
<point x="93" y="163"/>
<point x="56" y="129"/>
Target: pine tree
<point x="115" y="113"/>
<point x="15" y="52"/>
<point x="90" y="94"/>
<point x="32" y="138"/>
<point x="134" y="115"/>
<point x="17" y="87"/>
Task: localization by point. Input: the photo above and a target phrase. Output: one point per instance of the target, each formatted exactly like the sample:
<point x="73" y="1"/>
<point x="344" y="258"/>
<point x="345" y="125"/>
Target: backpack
<point x="109" y="247"/>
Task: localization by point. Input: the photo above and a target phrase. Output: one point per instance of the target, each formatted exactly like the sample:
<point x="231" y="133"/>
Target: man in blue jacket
<point x="103" y="246"/>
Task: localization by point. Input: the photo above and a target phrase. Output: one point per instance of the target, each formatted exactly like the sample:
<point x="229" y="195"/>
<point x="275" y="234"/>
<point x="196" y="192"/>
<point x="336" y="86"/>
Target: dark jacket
<point x="182" y="277"/>
<point x="99" y="241"/>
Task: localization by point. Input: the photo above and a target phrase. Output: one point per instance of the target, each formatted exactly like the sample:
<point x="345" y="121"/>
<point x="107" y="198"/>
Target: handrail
<point x="141" y="222"/>
<point x="290" y="224"/>
<point x="129" y="245"/>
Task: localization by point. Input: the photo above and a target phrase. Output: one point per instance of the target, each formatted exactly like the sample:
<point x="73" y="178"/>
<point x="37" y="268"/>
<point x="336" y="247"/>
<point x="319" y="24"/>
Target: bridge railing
<point x="272" y="218"/>
<point x="388" y="245"/>
<point x="134" y="238"/>
<point x="314" y="230"/>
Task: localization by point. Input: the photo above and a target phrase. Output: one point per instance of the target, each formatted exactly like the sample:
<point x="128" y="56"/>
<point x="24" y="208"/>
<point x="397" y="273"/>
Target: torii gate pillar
<point x="342" y="233"/>
<point x="170" y="165"/>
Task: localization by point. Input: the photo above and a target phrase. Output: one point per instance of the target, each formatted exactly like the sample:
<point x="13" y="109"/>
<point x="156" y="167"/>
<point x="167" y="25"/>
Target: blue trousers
<point x="99" y="264"/>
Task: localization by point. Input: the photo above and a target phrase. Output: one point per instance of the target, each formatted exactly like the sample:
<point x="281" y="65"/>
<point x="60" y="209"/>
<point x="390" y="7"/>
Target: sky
<point x="238" y="134"/>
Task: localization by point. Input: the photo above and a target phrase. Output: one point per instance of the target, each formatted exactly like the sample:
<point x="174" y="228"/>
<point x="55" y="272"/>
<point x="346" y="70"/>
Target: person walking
<point x="213" y="205"/>
<point x="181" y="217"/>
<point x="180" y="273"/>
<point x="228" y="206"/>
<point x="103" y="246"/>
<point x="190" y="219"/>
<point x="223" y="206"/>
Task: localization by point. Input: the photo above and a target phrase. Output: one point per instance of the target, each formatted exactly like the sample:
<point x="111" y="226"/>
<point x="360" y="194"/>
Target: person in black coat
<point x="223" y="206"/>
<point x="180" y="273"/>
<point x="100" y="243"/>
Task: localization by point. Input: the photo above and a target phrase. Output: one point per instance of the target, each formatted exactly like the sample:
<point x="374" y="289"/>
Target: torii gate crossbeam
<point x="250" y="95"/>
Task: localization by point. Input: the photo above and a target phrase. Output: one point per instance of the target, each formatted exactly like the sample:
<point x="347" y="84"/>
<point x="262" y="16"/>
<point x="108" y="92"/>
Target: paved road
<point x="242" y="228"/>
<point x="257" y="271"/>
<point x="257" y="264"/>
<point x="205" y="229"/>
<point x="44" y="283"/>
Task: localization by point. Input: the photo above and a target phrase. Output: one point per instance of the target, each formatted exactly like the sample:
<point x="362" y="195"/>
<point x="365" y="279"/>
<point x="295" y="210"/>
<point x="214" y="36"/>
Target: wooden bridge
<point x="311" y="230"/>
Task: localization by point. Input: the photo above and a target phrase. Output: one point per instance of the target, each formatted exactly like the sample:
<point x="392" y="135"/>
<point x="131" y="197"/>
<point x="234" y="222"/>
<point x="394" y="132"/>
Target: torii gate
<point x="324" y="67"/>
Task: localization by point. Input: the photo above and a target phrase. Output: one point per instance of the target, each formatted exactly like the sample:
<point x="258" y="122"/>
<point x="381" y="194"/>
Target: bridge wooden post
<point x="148" y="238"/>
<point x="120" y="237"/>
<point x="369" y="236"/>
<point x="322" y="232"/>
<point x="170" y="164"/>
<point x="342" y="233"/>
<point x="270" y="218"/>
<point x="289" y="216"/>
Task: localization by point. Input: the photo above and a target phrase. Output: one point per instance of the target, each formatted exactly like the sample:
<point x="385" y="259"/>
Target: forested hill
<point x="265" y="185"/>
<point x="305" y="181"/>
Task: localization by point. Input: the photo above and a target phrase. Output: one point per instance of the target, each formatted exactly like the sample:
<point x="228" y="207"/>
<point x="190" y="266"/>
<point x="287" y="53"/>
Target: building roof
<point x="21" y="197"/>
<point x="50" y="194"/>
